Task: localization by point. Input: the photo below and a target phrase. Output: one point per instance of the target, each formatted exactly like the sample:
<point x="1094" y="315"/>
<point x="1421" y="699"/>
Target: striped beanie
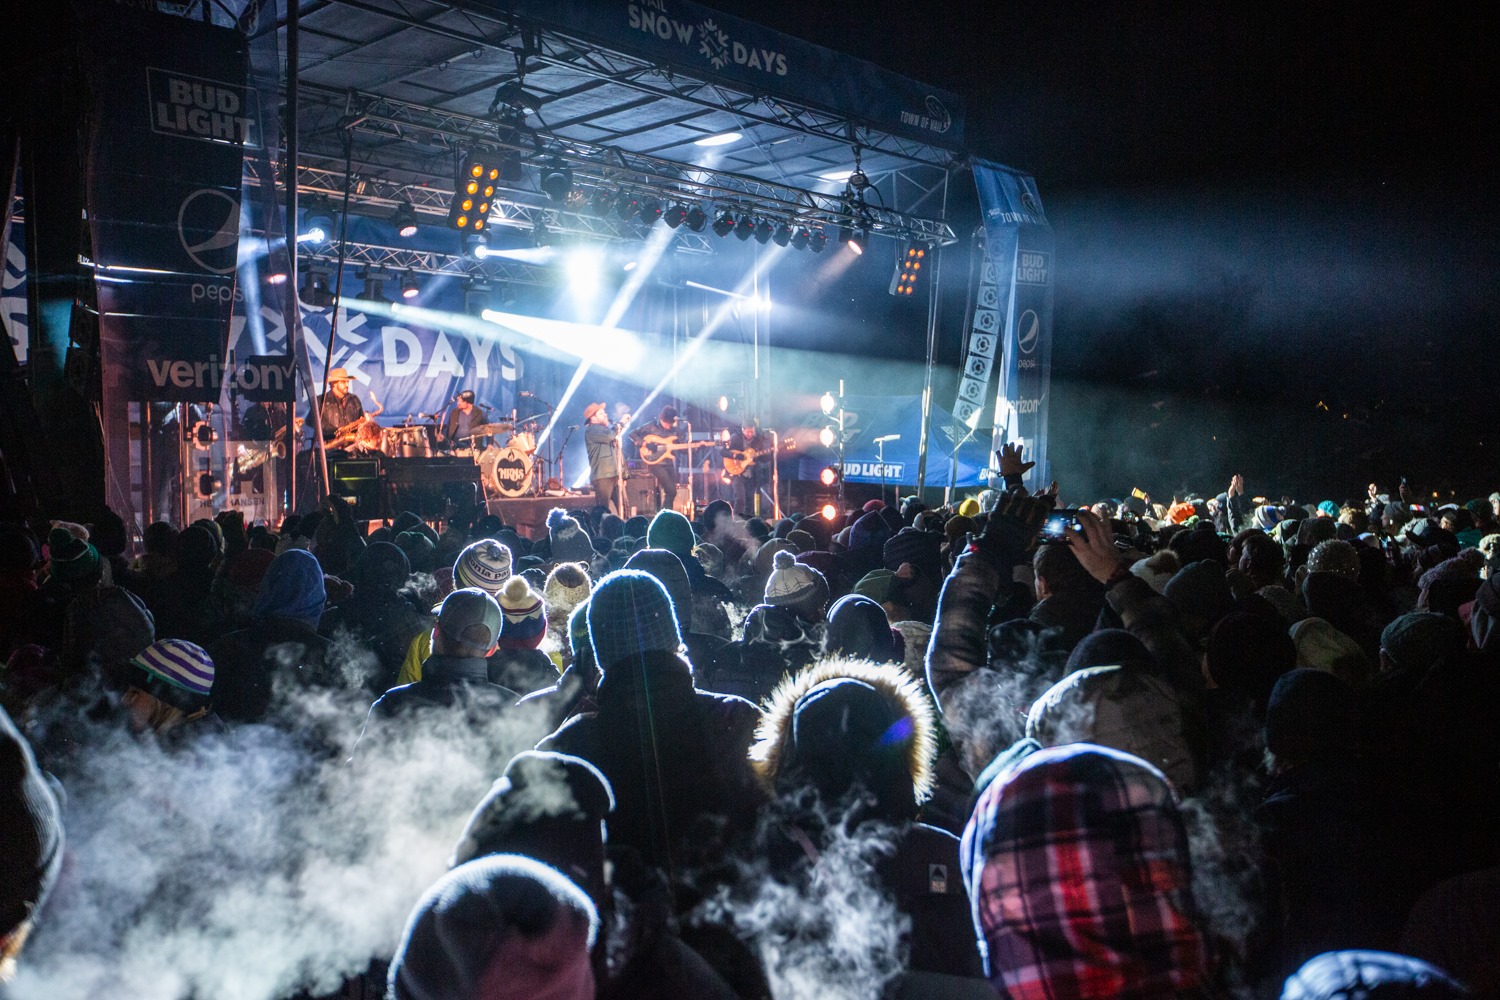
<point x="484" y="564"/>
<point x="176" y="672"/>
<point x="525" y="619"/>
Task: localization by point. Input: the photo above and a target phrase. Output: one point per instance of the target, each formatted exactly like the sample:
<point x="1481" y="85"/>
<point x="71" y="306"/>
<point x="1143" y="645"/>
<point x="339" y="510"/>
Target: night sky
<point x="1276" y="229"/>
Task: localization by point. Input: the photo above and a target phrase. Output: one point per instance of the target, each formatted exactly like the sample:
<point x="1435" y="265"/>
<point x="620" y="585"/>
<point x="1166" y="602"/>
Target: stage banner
<point x="1019" y="247"/>
<point x="171" y="115"/>
<point x="13" y="293"/>
<point x="710" y="45"/>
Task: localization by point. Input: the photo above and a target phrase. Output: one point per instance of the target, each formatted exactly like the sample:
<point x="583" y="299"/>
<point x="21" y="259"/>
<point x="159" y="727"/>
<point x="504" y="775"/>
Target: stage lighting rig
<point x="724" y="224"/>
<point x="800" y="238"/>
<point x="744" y="228"/>
<point x="627" y="205"/>
<point x="783" y="235"/>
<point x="764" y="230"/>
<point x="675" y="216"/>
<point x="317" y="221"/>
<point x="470" y="210"/>
<point x="817" y="240"/>
<point x="650" y="211"/>
<point x="696" y="218"/>
<point x="477" y="245"/>
<point x="909" y="261"/>
<point x="404" y="220"/>
<point x="600" y="202"/>
<point x="556" y="179"/>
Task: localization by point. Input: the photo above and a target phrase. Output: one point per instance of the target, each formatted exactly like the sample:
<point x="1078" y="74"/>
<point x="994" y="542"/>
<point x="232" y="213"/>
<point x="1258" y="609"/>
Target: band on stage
<point x="507" y="463"/>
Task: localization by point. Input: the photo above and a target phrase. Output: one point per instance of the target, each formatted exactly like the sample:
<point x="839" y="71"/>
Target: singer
<point x="461" y="422"/>
<point x="602" y="439"/>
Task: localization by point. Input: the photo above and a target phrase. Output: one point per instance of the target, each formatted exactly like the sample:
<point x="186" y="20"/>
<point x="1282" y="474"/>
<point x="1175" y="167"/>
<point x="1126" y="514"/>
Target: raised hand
<point x="1011" y="464"/>
<point x="1014" y="525"/>
<point x="1094" y="545"/>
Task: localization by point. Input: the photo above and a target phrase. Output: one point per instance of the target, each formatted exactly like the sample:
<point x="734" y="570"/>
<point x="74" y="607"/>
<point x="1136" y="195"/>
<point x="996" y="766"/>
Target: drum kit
<point x="507" y="470"/>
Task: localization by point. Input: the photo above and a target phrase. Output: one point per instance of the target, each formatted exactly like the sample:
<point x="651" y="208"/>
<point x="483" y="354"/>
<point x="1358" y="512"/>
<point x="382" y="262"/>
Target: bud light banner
<point x="171" y="114"/>
<point x="1019" y="249"/>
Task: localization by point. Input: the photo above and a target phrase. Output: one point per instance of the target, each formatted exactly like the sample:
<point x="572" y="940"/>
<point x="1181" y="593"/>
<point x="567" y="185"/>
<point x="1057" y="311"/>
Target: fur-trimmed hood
<point x="904" y="698"/>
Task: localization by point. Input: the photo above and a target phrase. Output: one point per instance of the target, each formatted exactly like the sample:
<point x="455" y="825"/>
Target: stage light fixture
<point x="828" y="402"/>
<point x="317" y="221"/>
<point x="650" y="211"/>
<point x="404" y="220"/>
<point x="783" y="235"/>
<point x="723" y="224"/>
<point x="829" y="512"/>
<point x="600" y="202"/>
<point x="512" y="170"/>
<point x="675" y="216"/>
<point x="477" y="245"/>
<point x="470" y="209"/>
<point x="764" y="231"/>
<point x="829" y="476"/>
<point x="696" y="219"/>
<point x="724" y="404"/>
<point x="799" y="238"/>
<point x="557" y="179"/>
<point x="477" y="296"/>
<point x="909" y="263"/>
<point x="817" y="241"/>
<point x="855" y="239"/>
<point x="827" y="436"/>
<point x="409" y="285"/>
<point x="276" y="278"/>
<point x="315" y="291"/>
<point x="208" y="484"/>
<point x="744" y="228"/>
<point x="627" y="205"/>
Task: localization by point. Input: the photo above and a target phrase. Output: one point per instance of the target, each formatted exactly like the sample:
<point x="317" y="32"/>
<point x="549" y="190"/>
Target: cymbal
<point x="495" y="428"/>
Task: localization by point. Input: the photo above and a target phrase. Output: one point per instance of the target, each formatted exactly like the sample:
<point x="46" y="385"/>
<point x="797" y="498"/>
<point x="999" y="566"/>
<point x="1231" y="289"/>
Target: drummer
<point x="461" y="422"/>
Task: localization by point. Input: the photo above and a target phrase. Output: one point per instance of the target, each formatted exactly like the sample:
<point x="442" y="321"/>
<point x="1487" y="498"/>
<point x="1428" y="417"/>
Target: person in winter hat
<point x="691" y="763"/>
<point x="569" y="541"/>
<point x="1371" y="975"/>
<point x="501" y="927"/>
<point x="378" y="616"/>
<point x="519" y="663"/>
<point x="859" y="629"/>
<point x="1129" y="710"/>
<point x="797" y="587"/>
<point x="1122" y="925"/>
<point x="1320" y="646"/>
<point x="31" y="843"/>
<point x="845" y="743"/>
<point x="169" y="686"/>
<point x="705" y="652"/>
<point x="103" y="625"/>
<point x="567" y="586"/>
<point x="671" y="531"/>
<point x="483" y="565"/>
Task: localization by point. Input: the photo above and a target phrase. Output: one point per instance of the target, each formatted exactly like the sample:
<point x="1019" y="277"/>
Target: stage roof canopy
<point x="620" y="94"/>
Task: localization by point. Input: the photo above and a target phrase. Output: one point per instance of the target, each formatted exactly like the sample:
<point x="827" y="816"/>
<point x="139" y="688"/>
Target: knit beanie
<point x="31" y="831"/>
<point x="636" y="526"/>
<point x="858" y="628"/>
<point x="1370" y="975"/>
<point x="797" y="586"/>
<point x="801" y="540"/>
<point x="548" y="806"/>
<point x="920" y="548"/>
<point x="485" y="564"/>
<point x="420" y="551"/>
<point x="567" y="587"/>
<point x="501" y="927"/>
<point x="672" y="575"/>
<point x="1334" y="556"/>
<point x="1321" y="646"/>
<point x="72" y="560"/>
<point x="968" y="507"/>
<point x="1201" y="592"/>
<point x="1310" y="714"/>
<point x="525" y="618"/>
<point x="1421" y="640"/>
<point x="578" y="631"/>
<point x="569" y="541"/>
<point x="630" y="615"/>
<point x="870" y="531"/>
<point x="176" y="672"/>
<point x="758" y="529"/>
<point x="248" y="569"/>
<point x="957" y="526"/>
<point x="878" y="585"/>
<point x="1247" y="654"/>
<point x="671" y="531"/>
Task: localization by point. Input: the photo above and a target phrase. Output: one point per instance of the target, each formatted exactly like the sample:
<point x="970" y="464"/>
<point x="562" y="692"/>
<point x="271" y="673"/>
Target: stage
<point x="528" y="515"/>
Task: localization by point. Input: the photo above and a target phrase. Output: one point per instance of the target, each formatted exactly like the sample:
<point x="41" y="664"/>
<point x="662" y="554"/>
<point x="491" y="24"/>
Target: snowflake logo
<point x="715" y="44"/>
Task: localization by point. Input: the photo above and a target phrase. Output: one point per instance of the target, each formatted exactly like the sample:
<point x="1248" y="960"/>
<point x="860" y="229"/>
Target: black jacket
<point x="248" y="663"/>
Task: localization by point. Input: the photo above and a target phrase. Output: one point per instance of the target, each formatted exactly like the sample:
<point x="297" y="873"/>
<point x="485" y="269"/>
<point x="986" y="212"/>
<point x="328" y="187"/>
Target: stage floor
<point x="528" y="515"/>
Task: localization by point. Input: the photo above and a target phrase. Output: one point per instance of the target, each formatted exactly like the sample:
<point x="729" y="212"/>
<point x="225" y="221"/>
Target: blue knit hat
<point x="630" y="614"/>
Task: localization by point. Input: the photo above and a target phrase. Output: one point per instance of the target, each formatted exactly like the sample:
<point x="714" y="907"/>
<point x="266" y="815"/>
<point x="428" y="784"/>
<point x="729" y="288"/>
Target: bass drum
<point x="509" y="470"/>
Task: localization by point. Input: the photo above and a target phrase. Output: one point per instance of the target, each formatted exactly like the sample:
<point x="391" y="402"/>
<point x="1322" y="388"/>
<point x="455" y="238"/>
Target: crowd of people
<point x="1218" y="748"/>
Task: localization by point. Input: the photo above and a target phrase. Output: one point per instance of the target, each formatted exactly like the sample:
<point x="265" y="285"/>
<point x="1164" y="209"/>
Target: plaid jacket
<point x="1077" y="868"/>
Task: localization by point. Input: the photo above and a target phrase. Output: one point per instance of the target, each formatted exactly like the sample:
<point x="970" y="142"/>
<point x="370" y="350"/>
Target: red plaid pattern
<point x="1077" y="867"/>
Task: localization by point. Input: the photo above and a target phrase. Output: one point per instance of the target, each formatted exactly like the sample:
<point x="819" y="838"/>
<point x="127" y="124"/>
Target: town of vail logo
<point x="208" y="225"/>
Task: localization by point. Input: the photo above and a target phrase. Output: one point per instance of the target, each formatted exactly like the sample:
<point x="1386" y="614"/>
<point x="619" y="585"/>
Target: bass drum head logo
<point x="208" y="226"/>
<point x="1028" y="329"/>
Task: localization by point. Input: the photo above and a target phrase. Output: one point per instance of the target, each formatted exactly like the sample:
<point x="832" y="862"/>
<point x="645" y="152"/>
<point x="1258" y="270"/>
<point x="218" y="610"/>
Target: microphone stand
<point x="690" y="505"/>
<point x="557" y="466"/>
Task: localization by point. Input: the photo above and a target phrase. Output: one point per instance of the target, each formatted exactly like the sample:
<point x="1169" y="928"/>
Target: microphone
<point x="888" y="437"/>
<point x="528" y="395"/>
<point x="484" y="406"/>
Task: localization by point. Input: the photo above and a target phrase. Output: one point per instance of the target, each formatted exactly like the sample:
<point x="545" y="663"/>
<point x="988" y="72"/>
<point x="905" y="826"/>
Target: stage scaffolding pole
<point x="932" y="328"/>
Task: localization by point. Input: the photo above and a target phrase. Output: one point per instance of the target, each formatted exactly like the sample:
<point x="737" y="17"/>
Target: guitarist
<point x="745" y="463"/>
<point x="664" y="427"/>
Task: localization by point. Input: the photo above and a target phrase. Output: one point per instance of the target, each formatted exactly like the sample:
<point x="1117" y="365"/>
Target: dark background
<point x="1276" y="230"/>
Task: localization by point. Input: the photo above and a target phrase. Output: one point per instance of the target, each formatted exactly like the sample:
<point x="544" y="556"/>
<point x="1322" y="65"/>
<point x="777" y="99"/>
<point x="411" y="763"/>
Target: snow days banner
<point x="171" y="115"/>
<point x="1019" y="244"/>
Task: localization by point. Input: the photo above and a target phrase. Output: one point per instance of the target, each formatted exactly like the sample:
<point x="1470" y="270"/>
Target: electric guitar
<point x="656" y="449"/>
<point x="737" y="463"/>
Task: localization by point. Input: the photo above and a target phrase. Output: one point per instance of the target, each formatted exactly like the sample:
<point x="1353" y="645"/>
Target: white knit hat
<point x="484" y="564"/>
<point x="560" y="597"/>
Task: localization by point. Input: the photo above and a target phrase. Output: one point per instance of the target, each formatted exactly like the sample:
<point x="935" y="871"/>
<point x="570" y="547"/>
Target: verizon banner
<point x="1020" y="249"/>
<point x="171" y="115"/>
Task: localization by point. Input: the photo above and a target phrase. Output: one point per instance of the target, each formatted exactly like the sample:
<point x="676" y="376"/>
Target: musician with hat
<point x="602" y="439"/>
<point x="340" y="409"/>
<point x="462" y="422"/>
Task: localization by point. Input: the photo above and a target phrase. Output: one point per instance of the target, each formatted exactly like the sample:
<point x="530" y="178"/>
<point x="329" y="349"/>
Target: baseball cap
<point x="467" y="396"/>
<point x="470" y="616"/>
